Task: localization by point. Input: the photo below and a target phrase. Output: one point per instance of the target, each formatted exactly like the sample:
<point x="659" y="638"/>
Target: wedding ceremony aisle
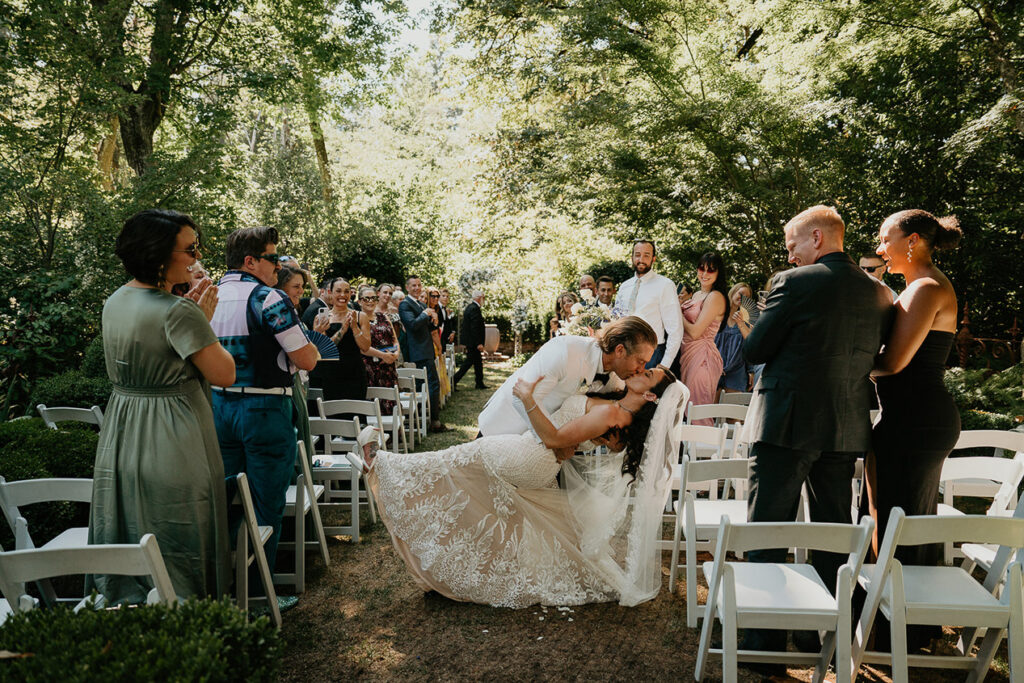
<point x="364" y="618"/>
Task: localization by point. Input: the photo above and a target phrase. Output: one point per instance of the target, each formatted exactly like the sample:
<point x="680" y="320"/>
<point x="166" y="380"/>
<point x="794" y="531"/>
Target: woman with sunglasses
<point x="700" y="363"/>
<point x="158" y="463"/>
<point x="382" y="355"/>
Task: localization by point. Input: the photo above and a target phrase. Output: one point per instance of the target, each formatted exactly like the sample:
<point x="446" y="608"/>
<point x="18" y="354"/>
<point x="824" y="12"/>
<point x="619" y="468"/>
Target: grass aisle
<point x="363" y="618"/>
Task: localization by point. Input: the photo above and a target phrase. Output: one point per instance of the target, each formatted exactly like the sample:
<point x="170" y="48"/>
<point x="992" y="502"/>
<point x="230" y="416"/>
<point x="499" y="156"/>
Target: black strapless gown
<point x="918" y="428"/>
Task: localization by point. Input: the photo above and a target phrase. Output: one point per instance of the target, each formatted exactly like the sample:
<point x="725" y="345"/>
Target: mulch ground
<point x="364" y="618"/>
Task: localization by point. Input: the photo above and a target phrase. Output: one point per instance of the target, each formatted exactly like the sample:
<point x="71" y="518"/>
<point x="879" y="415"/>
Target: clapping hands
<point x="204" y="294"/>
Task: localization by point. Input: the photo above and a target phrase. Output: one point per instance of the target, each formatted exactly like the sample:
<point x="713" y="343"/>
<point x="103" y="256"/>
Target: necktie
<point x="632" y="297"/>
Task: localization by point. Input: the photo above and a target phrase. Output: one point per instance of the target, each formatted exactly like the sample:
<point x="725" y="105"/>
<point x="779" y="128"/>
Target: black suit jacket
<point x="818" y="338"/>
<point x="314" y="307"/>
<point x="448" y="322"/>
<point x="472" y="326"/>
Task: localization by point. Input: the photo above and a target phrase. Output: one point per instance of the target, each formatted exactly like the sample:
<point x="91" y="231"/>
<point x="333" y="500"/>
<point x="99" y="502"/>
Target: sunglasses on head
<point x="871" y="269"/>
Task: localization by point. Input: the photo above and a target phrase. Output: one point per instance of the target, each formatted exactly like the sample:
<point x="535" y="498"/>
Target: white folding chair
<point x="739" y="398"/>
<point x="422" y="394"/>
<point x="782" y="595"/>
<point x="980" y="476"/>
<point x="15" y="494"/>
<point x="721" y="413"/>
<point x="393" y="422"/>
<point x="301" y="499"/>
<point x="409" y="396"/>
<point x="697" y="520"/>
<point x="249" y="548"/>
<point x="330" y="465"/>
<point x="943" y="596"/>
<point x="691" y="437"/>
<point x="18" y="567"/>
<point x="51" y="416"/>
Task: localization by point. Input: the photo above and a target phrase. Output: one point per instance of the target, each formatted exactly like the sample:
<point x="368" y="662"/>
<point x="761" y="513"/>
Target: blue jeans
<point x="257" y="436"/>
<point x="659" y="353"/>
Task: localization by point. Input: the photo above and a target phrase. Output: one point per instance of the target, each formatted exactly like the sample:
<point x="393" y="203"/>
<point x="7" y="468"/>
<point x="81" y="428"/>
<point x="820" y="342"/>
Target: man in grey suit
<point x="818" y="335"/>
<point x="419" y="321"/>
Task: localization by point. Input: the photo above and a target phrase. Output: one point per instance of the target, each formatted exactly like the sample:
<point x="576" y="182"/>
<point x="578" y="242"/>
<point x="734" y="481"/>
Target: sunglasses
<point x="871" y="269"/>
<point x="433" y="296"/>
<point x="707" y="269"/>
<point x="370" y="298"/>
<point x="273" y="258"/>
<point x="192" y="250"/>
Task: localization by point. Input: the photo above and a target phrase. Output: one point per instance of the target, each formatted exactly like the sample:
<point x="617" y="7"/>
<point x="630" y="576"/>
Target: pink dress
<point x="700" y="363"/>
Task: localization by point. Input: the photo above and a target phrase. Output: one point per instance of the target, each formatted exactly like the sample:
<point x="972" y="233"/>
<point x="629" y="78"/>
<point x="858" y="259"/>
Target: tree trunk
<point x="107" y="155"/>
<point x="311" y="102"/>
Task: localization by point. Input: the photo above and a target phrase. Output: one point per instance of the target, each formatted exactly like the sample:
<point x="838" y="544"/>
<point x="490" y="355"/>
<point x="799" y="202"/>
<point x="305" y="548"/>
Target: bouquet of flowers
<point x="520" y="316"/>
<point x="587" y="316"/>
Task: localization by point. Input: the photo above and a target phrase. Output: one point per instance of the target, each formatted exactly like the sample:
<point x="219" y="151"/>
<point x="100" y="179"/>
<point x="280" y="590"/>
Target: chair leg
<point x="354" y="481"/>
<point x="898" y="645"/>
<point x="300" y="535"/>
<point x="242" y="569"/>
<point x="705" y="642"/>
<point x="318" y="527"/>
<point x="673" y="567"/>
<point x="268" y="583"/>
<point x="692" y="608"/>
<point x="729" y="639"/>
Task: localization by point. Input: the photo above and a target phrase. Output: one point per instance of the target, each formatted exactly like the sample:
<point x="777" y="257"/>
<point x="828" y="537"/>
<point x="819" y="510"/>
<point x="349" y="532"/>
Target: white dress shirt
<point x="658" y="305"/>
<point x="568" y="365"/>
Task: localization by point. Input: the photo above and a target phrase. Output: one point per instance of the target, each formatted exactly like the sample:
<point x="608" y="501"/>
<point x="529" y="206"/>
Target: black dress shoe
<point x="482" y="386"/>
<point x="436" y="428"/>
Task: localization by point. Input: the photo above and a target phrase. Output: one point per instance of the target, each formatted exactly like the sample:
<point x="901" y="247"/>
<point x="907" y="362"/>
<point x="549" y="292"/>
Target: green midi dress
<point x="158" y="465"/>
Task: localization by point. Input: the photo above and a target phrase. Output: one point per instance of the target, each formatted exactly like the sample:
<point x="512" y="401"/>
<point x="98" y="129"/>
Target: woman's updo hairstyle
<point x="937" y="233"/>
<point x="147" y="240"/>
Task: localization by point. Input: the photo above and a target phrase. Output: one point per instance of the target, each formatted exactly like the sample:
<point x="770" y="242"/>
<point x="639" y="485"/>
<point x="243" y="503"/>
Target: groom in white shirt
<point x="569" y="364"/>
<point x="653" y="297"/>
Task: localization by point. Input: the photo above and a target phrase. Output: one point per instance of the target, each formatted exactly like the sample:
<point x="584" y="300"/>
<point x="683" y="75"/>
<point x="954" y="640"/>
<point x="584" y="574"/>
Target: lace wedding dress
<point x="486" y="522"/>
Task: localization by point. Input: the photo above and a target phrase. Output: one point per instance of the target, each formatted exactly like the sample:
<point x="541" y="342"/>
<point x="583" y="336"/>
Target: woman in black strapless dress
<point x="344" y="378"/>
<point x="919" y="424"/>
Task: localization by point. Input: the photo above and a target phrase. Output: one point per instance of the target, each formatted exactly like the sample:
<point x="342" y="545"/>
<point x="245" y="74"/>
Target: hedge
<point x="73" y="389"/>
<point x="199" y="640"/>
<point x="29" y="450"/>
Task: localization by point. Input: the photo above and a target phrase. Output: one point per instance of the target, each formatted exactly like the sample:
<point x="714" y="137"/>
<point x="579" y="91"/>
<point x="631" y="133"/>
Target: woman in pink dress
<point x="700" y="363"/>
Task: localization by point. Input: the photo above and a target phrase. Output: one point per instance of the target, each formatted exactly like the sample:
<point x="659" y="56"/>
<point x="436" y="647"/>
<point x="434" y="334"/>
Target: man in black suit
<point x="448" y="321"/>
<point x="473" y="340"/>
<point x="420" y="321"/>
<point x="823" y="323"/>
<point x="321" y="301"/>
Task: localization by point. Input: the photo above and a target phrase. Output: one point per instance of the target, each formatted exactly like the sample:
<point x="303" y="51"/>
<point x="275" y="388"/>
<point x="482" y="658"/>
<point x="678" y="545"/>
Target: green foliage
<point x="30" y="450"/>
<point x="94" y="363"/>
<point x="72" y="389"/>
<point x="198" y="640"/>
<point x="988" y="400"/>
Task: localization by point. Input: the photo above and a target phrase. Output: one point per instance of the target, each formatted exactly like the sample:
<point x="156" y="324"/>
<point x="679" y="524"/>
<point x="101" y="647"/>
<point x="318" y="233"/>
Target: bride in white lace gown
<point x="487" y="522"/>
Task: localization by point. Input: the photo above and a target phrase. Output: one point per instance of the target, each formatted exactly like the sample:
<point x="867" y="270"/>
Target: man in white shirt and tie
<point x="653" y="297"/>
<point x="568" y="364"/>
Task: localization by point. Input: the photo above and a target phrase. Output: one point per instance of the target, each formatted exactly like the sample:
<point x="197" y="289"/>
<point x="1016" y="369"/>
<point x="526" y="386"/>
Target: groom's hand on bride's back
<point x="523" y="388"/>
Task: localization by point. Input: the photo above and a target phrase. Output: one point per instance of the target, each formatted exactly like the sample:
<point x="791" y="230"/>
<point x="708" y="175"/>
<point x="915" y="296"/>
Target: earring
<point x="910" y="253"/>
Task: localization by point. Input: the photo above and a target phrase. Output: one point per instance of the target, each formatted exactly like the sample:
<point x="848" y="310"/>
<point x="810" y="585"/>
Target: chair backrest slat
<point x="345" y="407"/>
<point x="739" y="398"/>
<point x="833" y="538"/>
<point x="716" y="411"/>
<point x="991" y="438"/>
<point x="700" y="471"/>
<point x="919" y="530"/>
<point x="51" y="416"/>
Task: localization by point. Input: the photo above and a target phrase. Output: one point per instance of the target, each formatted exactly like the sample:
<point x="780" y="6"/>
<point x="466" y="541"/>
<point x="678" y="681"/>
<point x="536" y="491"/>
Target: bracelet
<point x="529" y="410"/>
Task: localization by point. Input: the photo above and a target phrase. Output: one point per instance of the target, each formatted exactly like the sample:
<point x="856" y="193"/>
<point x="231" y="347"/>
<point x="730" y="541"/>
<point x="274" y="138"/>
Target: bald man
<point x="822" y="326"/>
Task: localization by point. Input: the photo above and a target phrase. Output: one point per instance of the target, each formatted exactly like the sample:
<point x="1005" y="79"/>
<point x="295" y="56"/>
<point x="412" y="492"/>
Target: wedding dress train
<point x="486" y="521"/>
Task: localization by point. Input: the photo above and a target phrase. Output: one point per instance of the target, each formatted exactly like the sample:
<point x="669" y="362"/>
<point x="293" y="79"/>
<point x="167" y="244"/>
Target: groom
<point x="568" y="364"/>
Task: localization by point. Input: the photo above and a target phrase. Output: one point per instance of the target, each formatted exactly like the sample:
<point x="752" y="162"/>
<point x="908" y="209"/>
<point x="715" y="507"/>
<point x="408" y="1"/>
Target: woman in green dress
<point x="158" y="465"/>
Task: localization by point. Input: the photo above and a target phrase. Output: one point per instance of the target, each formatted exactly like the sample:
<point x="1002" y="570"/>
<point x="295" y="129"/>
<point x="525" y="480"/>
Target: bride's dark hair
<point x="635" y="433"/>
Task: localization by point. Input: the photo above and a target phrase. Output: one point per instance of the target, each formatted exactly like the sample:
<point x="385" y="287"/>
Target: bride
<point x="487" y="522"/>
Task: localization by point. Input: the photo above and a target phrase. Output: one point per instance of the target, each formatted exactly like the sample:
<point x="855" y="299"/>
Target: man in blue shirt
<point x="258" y="325"/>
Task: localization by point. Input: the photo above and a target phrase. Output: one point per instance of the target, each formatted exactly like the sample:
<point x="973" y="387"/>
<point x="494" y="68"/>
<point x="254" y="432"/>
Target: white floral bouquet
<point x="588" y="315"/>
<point x="520" y="316"/>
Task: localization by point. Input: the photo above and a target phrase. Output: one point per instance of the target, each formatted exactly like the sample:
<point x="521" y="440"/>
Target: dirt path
<point x="363" y="618"/>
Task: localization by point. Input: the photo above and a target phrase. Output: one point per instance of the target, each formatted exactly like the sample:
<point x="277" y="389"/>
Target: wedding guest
<point x="700" y="363"/>
<point x="382" y="354"/>
<point x="684" y="292"/>
<point x="920" y="423"/>
<point x="587" y="282"/>
<point x="448" y="319"/>
<point x="808" y="421"/>
<point x="445" y="385"/>
<point x="350" y="331"/>
<point x="396" y="319"/>
<point x="652" y="297"/>
<point x="158" y="468"/>
<point x="290" y="281"/>
<point x="606" y="290"/>
<point x="563" y="310"/>
<point x="729" y="341"/>
<point x="876" y="267"/>
<point x="259" y="327"/>
<point x="318" y="303"/>
<point x="472" y="336"/>
<point x="419" y="321"/>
